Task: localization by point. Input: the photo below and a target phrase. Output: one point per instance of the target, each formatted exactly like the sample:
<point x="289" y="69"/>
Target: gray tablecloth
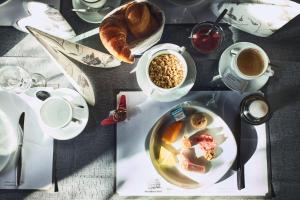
<point x="85" y="166"/>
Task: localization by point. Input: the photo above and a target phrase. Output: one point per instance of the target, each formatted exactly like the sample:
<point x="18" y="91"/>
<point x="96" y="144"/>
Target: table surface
<point x="85" y="165"/>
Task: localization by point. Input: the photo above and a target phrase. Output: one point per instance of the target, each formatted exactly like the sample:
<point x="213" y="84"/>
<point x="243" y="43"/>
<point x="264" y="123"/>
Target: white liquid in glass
<point x="258" y="109"/>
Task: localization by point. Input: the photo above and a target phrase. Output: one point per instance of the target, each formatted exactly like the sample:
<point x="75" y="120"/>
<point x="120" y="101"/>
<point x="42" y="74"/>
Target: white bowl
<point x="145" y="44"/>
<point x="178" y="55"/>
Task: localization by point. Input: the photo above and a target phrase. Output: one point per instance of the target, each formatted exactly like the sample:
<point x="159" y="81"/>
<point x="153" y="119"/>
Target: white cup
<point x="266" y="69"/>
<point x="57" y="112"/>
<point x="178" y="54"/>
<point x="94" y="3"/>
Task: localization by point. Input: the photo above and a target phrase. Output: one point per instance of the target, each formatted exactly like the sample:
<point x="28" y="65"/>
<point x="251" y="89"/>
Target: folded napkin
<point x="258" y="17"/>
<point x="37" y="151"/>
<point x="136" y="176"/>
<point x="47" y="19"/>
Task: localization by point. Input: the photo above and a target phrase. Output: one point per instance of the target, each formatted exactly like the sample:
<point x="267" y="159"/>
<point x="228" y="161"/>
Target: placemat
<point x="37" y="150"/>
<point x="136" y="175"/>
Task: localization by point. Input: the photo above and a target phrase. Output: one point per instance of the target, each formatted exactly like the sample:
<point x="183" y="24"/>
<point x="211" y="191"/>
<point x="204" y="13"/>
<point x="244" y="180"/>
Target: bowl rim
<point x="167" y="51"/>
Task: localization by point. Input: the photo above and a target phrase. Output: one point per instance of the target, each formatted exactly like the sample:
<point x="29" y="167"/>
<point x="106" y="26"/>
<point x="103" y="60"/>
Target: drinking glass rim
<point x="209" y="23"/>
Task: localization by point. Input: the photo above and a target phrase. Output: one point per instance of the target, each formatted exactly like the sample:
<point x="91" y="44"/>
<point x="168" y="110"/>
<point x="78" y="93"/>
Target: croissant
<point x="113" y="34"/>
<point x="134" y="21"/>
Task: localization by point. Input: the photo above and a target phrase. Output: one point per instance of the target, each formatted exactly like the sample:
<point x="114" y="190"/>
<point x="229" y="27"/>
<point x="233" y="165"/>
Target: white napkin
<point x="136" y="175"/>
<point x="258" y="17"/>
<point x="47" y="19"/>
<point x="37" y="152"/>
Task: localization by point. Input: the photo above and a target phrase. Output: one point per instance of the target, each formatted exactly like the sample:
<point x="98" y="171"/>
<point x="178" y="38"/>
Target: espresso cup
<point x="250" y="62"/>
<point x="178" y="55"/>
<point x="94" y="3"/>
<point x="57" y="112"/>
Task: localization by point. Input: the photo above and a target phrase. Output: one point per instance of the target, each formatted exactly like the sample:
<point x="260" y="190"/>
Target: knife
<point x="19" y="151"/>
<point x="240" y="165"/>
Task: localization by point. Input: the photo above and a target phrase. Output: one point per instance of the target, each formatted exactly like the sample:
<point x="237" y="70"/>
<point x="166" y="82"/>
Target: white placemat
<point x="37" y="151"/>
<point x="136" y="175"/>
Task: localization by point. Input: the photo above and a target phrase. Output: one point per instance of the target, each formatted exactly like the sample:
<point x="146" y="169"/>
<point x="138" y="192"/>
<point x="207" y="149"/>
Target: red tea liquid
<point x="206" y="43"/>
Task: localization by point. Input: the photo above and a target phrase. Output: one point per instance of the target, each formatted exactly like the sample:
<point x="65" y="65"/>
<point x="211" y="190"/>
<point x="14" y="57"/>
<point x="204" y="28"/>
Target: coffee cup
<point x="57" y="112"/>
<point x="170" y="75"/>
<point x="94" y="3"/>
<point x="250" y="62"/>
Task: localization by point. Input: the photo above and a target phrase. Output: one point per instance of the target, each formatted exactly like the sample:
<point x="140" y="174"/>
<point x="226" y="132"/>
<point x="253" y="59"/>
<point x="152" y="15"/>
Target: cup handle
<point x="269" y="71"/>
<point x="181" y="50"/>
<point x="215" y="78"/>
<point x="234" y="51"/>
<point x="77" y="113"/>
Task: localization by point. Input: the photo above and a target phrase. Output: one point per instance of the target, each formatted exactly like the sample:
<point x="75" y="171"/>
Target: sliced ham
<point x="186" y="158"/>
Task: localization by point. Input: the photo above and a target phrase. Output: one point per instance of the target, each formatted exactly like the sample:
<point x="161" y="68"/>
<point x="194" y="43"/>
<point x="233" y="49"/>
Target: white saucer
<point x="73" y="129"/>
<point x="175" y="94"/>
<point x="92" y="17"/>
<point x="226" y="61"/>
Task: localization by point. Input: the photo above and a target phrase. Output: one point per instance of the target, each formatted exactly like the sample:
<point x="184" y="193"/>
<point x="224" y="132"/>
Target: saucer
<point x="226" y="61"/>
<point x="72" y="129"/>
<point x="92" y="17"/>
<point x="174" y="94"/>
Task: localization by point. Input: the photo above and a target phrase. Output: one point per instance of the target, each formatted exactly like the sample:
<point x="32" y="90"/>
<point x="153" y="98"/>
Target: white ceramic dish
<point x="178" y="55"/>
<point x="145" y="44"/>
<point x="174" y="94"/>
<point x="92" y="17"/>
<point x="72" y="129"/>
<point x="226" y="61"/>
<point x="94" y="3"/>
<point x="218" y="166"/>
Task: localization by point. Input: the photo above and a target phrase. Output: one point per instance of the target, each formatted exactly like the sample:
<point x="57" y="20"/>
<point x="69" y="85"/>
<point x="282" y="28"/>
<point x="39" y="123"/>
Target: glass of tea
<point x="206" y="38"/>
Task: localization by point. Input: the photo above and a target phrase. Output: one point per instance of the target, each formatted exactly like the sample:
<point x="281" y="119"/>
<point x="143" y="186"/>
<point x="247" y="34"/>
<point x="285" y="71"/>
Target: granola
<point x="166" y="71"/>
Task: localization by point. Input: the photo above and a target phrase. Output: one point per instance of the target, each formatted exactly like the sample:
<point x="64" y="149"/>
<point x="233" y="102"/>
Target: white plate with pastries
<point x="195" y="151"/>
<point x="131" y="29"/>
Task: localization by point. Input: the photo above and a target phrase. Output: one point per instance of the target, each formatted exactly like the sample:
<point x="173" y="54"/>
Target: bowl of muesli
<point x="166" y="69"/>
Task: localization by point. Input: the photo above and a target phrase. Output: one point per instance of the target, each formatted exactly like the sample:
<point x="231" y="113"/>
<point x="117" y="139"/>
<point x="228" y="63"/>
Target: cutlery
<point x="240" y="165"/>
<point x="19" y="151"/>
<point x="89" y="9"/>
<point x="220" y="17"/>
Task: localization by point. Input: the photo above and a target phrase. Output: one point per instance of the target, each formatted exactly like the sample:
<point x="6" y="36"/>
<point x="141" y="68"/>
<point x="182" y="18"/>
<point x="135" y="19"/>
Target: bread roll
<point x="140" y="21"/>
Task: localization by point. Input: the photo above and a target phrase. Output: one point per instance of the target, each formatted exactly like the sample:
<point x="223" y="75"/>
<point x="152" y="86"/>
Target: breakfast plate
<point x="174" y="94"/>
<point x="74" y="128"/>
<point x="171" y="168"/>
<point x="226" y="61"/>
<point x="92" y="17"/>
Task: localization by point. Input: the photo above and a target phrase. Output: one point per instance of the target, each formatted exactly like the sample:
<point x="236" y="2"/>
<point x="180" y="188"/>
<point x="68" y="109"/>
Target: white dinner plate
<point x="72" y="129"/>
<point x="217" y="167"/>
<point x="174" y="94"/>
<point x="226" y="61"/>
